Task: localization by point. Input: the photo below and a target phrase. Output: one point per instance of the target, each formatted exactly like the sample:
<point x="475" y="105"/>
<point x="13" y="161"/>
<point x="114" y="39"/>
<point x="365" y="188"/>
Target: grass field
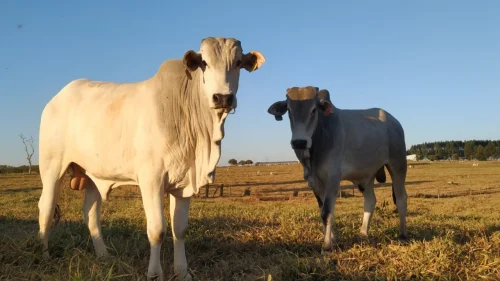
<point x="454" y="230"/>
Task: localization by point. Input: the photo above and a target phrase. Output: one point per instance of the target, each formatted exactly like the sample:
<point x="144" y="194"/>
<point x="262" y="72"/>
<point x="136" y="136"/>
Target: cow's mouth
<point x="226" y="109"/>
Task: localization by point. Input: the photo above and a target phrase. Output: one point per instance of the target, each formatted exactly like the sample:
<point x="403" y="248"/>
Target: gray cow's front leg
<point x="327" y="211"/>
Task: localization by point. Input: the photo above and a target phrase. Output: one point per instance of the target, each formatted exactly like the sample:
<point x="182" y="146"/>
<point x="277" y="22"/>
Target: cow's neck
<point x="192" y="130"/>
<point x="208" y="149"/>
<point x="322" y="139"/>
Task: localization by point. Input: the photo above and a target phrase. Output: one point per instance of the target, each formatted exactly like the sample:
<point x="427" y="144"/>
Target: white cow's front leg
<point x="179" y="212"/>
<point x="369" y="207"/>
<point x="152" y="198"/>
<point x="92" y="215"/>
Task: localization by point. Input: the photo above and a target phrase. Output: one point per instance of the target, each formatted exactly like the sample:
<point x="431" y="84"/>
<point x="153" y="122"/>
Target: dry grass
<point x="454" y="230"/>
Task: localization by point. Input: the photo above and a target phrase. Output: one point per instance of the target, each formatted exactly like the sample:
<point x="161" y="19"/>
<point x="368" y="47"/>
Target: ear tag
<point x="328" y="109"/>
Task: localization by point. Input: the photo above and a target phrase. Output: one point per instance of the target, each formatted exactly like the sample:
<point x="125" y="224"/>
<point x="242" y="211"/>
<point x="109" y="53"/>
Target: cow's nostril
<point x="230" y="99"/>
<point x="299" y="144"/>
<point x="216" y="98"/>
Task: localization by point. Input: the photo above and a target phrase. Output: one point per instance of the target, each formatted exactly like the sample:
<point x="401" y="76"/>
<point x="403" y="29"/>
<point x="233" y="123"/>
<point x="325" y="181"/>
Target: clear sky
<point x="435" y="65"/>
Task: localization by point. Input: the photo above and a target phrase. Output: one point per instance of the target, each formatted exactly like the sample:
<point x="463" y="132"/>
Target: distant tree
<point x="436" y="148"/>
<point x="232" y="162"/>
<point x="480" y="153"/>
<point x="453" y="149"/>
<point x="249" y="162"/>
<point x="440" y="153"/>
<point x="242" y="162"/>
<point x="469" y="149"/>
<point x="450" y="149"/>
<point x="489" y="150"/>
<point x="454" y="156"/>
<point x="28" y="147"/>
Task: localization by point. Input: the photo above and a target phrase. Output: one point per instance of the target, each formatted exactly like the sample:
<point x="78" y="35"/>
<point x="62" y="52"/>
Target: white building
<point x="412" y="157"/>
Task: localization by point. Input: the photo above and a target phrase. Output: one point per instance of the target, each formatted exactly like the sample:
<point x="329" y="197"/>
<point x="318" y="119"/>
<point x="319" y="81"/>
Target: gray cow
<point x="335" y="144"/>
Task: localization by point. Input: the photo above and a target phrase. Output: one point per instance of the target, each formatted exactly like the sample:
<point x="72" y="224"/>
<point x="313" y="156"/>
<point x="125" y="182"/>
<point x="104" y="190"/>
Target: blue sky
<point x="435" y="65"/>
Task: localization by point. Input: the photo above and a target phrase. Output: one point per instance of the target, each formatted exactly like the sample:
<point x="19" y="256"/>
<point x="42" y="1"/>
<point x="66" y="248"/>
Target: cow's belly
<point x="361" y="171"/>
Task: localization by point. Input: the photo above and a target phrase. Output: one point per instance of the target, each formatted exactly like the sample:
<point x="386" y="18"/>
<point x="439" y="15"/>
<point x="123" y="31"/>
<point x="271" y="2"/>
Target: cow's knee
<point x="326" y="210"/>
<point x="156" y="233"/>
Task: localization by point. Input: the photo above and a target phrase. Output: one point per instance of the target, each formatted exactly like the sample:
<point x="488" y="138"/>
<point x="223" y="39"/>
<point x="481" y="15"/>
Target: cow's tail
<point x="393" y="195"/>
<point x="381" y="178"/>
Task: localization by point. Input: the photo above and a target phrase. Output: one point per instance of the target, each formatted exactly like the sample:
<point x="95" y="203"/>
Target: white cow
<point x="162" y="134"/>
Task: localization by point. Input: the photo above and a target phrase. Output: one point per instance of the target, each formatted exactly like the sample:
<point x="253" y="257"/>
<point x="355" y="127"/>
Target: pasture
<point x="453" y="224"/>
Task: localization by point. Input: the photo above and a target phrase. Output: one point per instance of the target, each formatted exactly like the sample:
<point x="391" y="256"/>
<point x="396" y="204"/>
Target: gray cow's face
<point x="220" y="60"/>
<point x="304" y="106"/>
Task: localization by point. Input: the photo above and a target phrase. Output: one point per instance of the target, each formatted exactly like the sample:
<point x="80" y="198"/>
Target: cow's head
<point x="304" y="106"/>
<point x="220" y="61"/>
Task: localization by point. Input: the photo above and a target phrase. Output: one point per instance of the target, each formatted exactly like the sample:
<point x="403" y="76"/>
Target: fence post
<point x="222" y="190"/>
<point x="206" y="190"/>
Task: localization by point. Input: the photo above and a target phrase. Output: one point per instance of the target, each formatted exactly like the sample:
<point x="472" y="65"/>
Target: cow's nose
<point x="299" y="144"/>
<point x="222" y="101"/>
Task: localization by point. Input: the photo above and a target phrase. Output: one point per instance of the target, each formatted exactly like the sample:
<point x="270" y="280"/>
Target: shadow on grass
<point x="218" y="248"/>
<point x="264" y="183"/>
<point x="343" y="188"/>
<point x="17" y="190"/>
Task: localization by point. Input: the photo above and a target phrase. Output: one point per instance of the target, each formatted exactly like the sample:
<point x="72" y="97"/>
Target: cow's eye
<point x="238" y="63"/>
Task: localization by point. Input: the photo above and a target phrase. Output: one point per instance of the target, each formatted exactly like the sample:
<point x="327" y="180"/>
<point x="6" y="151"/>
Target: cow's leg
<point x="51" y="181"/>
<point x="152" y="198"/>
<point x="179" y="211"/>
<point x="398" y="175"/>
<point x="327" y="211"/>
<point x="92" y="215"/>
<point x="369" y="205"/>
<point x="318" y="199"/>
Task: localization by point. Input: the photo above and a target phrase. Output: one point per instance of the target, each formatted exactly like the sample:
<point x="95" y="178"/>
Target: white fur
<point x="161" y="134"/>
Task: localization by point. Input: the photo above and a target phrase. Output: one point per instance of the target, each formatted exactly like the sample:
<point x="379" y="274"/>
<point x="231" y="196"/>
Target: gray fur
<point x="352" y="145"/>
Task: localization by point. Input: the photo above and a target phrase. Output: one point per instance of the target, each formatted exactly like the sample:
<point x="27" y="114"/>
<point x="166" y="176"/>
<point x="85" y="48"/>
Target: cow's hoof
<point x="183" y="277"/>
<point x="101" y="252"/>
<point x="46" y="256"/>
<point x="363" y="234"/>
<point x="327" y="246"/>
<point x="403" y="238"/>
<point x="186" y="277"/>
<point x="155" y="277"/>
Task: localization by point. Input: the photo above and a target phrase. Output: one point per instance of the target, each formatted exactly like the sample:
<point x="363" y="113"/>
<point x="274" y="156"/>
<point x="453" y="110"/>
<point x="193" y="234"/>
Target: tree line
<point x="454" y="150"/>
<point x="6" y="169"/>
<point x="234" y="162"/>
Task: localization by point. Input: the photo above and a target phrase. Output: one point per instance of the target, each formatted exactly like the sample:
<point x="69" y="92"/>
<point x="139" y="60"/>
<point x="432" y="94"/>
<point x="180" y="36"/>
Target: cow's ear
<point x="326" y="106"/>
<point x="252" y="61"/>
<point x="278" y="109"/>
<point x="192" y="60"/>
<point x="324" y="94"/>
<point x="324" y="102"/>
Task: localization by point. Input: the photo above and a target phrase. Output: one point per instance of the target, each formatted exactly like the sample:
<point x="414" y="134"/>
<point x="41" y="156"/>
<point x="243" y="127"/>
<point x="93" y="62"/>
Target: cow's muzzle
<point x="223" y="101"/>
<point x="299" y="144"/>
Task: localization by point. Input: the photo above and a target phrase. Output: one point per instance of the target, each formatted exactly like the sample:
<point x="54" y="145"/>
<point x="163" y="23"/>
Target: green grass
<point x="453" y="237"/>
